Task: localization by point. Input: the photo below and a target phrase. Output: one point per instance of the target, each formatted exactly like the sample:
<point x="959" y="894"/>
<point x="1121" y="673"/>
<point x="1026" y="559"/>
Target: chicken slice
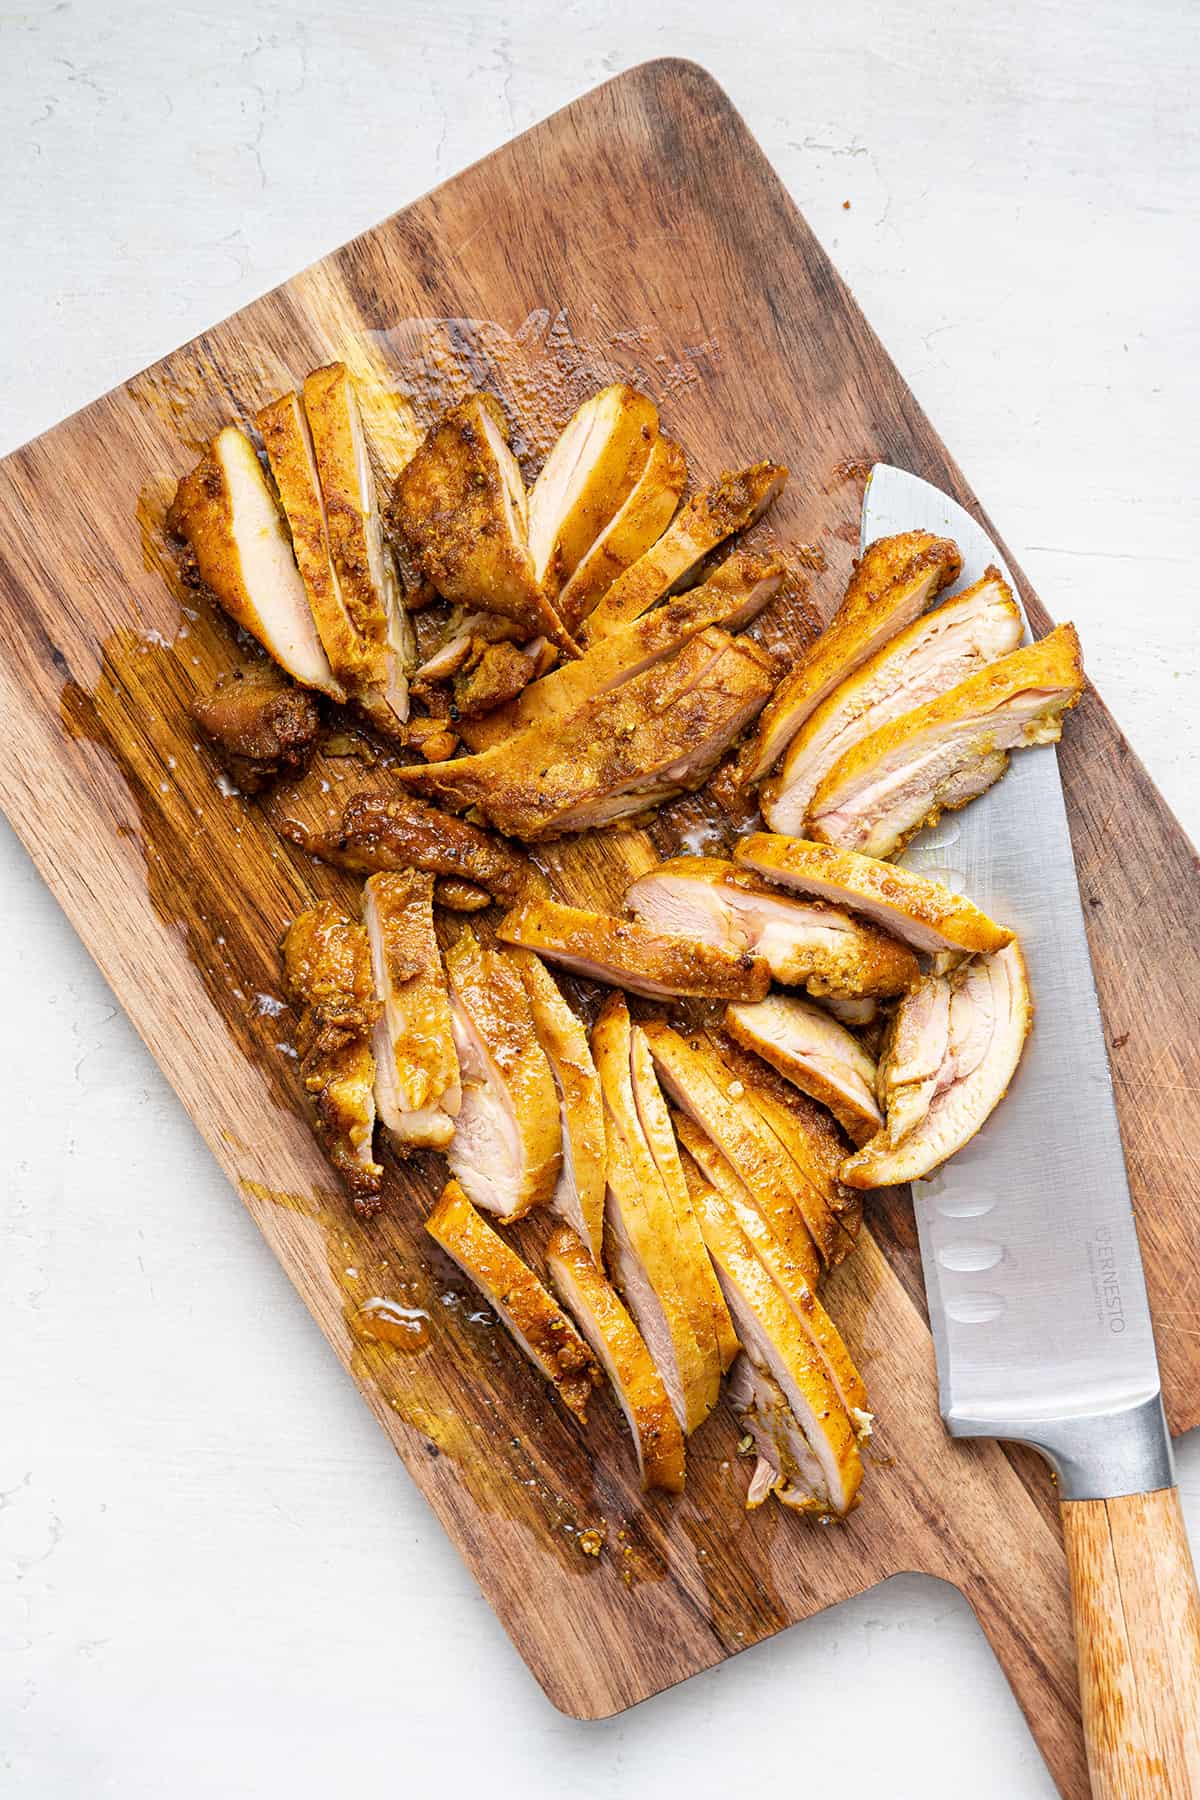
<point x="621" y="1350"/>
<point x="590" y="472"/>
<point x="732" y="597"/>
<point x="933" y="654"/>
<point x="633" y="529"/>
<point x="968" y="1028"/>
<point x="226" y="512"/>
<point x="460" y="896"/>
<point x="367" y="581"/>
<point x="260" y="726"/>
<point x="892" y="584"/>
<point x="417" y="1087"/>
<point x="713" y="902"/>
<point x="924" y="913"/>
<point x="527" y="1309"/>
<point x="491" y="677"/>
<point x="578" y="1196"/>
<point x="706" y="520"/>
<point x="943" y="754"/>
<point x="629" y="954"/>
<point x="385" y="831"/>
<point x="507" y="1145"/>
<point x="659" y="734"/>
<point x="462" y="509"/>
<point x="706" y="1165"/>
<point x="776" y="1343"/>
<point x="815" y="1054"/>
<point x="327" y="977"/>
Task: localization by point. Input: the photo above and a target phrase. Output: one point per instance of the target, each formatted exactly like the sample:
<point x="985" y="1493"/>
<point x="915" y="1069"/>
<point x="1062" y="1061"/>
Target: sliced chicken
<point x="706" y="520"/>
<point x="462" y="509"/>
<point x="943" y="754"/>
<point x="707" y="1166"/>
<point x="633" y="529"/>
<point x="492" y="676"/>
<point x="384" y="831"/>
<point x="368" y="584"/>
<point x="923" y="913"/>
<point x="858" y="1014"/>
<point x="460" y="896"/>
<point x="226" y="512"/>
<point x="932" y="655"/>
<point x="712" y="902"/>
<point x="978" y="1017"/>
<point x="815" y="1054"/>
<point x="734" y="595"/>
<point x="589" y="474"/>
<point x="260" y="726"/>
<point x="893" y="583"/>
<point x="417" y="1087"/>
<point x="629" y="954"/>
<point x="657" y="735"/>
<point x="507" y="1145"/>
<point x="578" y="1196"/>
<point x="828" y="1477"/>
<point x="657" y="1271"/>
<point x="327" y="978"/>
<point x="527" y="1309"/>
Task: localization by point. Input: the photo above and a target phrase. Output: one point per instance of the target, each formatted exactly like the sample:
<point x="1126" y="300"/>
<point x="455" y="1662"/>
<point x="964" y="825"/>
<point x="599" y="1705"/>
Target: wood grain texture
<point x="1137" y="1615"/>
<point x="638" y="233"/>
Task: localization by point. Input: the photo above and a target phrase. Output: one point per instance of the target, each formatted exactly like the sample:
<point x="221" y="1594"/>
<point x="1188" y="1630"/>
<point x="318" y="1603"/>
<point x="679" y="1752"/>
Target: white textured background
<point x="214" y="1576"/>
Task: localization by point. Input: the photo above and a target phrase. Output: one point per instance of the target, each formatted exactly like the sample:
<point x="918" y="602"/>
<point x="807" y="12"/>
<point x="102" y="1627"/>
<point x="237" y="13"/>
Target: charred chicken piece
<point x="491" y="678"/>
<point x="578" y="1196"/>
<point x="629" y="954"/>
<point x="259" y="726"/>
<point x="634" y="528"/>
<point x="814" y="1053"/>
<point x="417" y="1088"/>
<point x="588" y="475"/>
<point x="385" y="831"/>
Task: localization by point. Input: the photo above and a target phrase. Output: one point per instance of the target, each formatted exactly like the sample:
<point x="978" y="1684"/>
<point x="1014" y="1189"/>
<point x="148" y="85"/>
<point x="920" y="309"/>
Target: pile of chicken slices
<point x="579" y="664"/>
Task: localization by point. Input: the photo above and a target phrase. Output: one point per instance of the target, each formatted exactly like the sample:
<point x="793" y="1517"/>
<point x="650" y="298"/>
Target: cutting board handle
<point x="1137" y="1631"/>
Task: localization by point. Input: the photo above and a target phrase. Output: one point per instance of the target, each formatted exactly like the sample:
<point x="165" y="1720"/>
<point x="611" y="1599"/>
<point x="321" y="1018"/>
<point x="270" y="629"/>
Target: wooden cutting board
<point x="638" y="232"/>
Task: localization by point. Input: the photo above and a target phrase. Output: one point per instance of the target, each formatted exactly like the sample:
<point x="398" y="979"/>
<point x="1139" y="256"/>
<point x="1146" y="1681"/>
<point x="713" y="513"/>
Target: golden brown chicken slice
<point x="529" y="1312"/>
<point x="507" y="1145"/>
<point x="924" y="913"/>
<point x="417" y="1088"/>
<point x="733" y="596"/>
<point x="637" y="525"/>
<point x="491" y="677"/>
<point x="327" y="978"/>
<point x="706" y="1165"/>
<point x="260" y="726"/>
<point x="655" y="736"/>
<point x="934" y="654"/>
<point x="384" y="831"/>
<point x="226" y="512"/>
<point x="590" y="472"/>
<point x="463" y="512"/>
<point x="621" y="1350"/>
<point x="715" y="903"/>
<point x="893" y="583"/>
<point x="816" y="1054"/>
<point x="953" y="1050"/>
<point x="943" y="754"/>
<point x="368" y="584"/>
<point x="579" y="1192"/>
<point x="628" y="954"/>
<point x="706" y="520"/>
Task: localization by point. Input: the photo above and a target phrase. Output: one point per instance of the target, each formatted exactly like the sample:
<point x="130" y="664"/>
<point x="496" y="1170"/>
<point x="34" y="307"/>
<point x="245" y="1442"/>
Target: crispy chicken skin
<point x="529" y="1312"/>
<point x="507" y="1145"/>
<point x="708" y="1166"/>
<point x="732" y="504"/>
<point x="943" y="754"/>
<point x="621" y="1351"/>
<point x="259" y="726"/>
<point x="926" y="914"/>
<point x="417" y="1087"/>
<point x="892" y="584"/>
<point x="460" y="896"/>
<point x="578" y="1196"/>
<point x="633" y="529"/>
<point x="588" y="475"/>
<point x="714" y="902"/>
<point x="953" y="1049"/>
<point x="462" y="509"/>
<point x="386" y="831"/>
<point x="814" y="1053"/>
<point x="731" y="598"/>
<point x="657" y="735"/>
<point x="491" y="676"/>
<point x="933" y="654"/>
<point x="327" y="978"/>
<point x="230" y="519"/>
<point x="631" y="955"/>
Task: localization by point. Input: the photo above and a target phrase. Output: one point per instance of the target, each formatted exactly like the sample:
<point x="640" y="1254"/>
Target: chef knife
<point x="1037" y="1298"/>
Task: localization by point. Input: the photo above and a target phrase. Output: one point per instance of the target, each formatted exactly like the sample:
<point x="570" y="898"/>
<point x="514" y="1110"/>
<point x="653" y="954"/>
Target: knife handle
<point x="1137" y="1633"/>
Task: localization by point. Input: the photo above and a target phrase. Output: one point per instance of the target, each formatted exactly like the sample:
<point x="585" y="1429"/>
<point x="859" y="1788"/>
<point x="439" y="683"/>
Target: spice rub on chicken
<point x="417" y="1087"/>
<point x="578" y="1195"/>
<point x="383" y="830"/>
<point x="626" y="953"/>
<point x="591" y="470"/>
<point x="259" y="726"/>
<point x="634" y="528"/>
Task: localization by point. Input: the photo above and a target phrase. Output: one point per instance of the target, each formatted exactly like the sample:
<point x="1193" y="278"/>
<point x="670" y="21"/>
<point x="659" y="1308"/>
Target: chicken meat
<point x="634" y="528"/>
<point x="627" y="953"/>
<point x="417" y="1087"/>
<point x="383" y="830"/>
<point x="578" y="1195"/>
<point x="260" y="726"/>
<point x="590" y="472"/>
<point x="816" y="1054"/>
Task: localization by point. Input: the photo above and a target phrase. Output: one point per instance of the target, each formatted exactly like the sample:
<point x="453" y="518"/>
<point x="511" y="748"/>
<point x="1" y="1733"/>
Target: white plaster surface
<point x="215" y="1579"/>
